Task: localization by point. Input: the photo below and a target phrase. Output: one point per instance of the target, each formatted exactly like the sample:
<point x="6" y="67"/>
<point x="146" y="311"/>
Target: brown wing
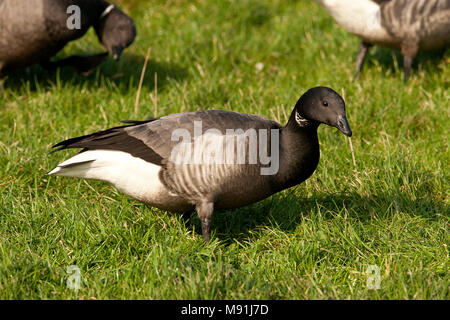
<point x="419" y="19"/>
<point x="159" y="134"/>
<point x="152" y="140"/>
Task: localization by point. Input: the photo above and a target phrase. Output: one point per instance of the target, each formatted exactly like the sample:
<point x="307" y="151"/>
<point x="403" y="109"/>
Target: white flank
<point x="360" y="17"/>
<point x="133" y="176"/>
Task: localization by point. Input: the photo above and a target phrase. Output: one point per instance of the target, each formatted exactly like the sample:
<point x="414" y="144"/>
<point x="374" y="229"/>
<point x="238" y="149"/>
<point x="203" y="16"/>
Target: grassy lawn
<point x="313" y="241"/>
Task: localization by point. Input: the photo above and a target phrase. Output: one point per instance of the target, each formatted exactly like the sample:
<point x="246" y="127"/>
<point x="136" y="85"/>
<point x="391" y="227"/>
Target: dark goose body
<point x="222" y="183"/>
<point x="406" y="25"/>
<point x="141" y="160"/>
<point x="32" y="31"/>
<point x="422" y="23"/>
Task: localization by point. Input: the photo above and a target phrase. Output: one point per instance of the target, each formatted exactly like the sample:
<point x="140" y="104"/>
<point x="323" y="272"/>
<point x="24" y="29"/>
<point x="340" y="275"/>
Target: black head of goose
<point x="33" y="31"/>
<point x="115" y="30"/>
<point x="407" y="25"/>
<point x="206" y="160"/>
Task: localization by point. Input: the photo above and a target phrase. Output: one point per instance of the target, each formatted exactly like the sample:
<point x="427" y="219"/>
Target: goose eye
<point x="325" y="103"/>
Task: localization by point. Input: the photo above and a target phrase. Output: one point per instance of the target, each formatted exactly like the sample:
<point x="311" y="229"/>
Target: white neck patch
<point x="107" y="11"/>
<point x="302" y="122"/>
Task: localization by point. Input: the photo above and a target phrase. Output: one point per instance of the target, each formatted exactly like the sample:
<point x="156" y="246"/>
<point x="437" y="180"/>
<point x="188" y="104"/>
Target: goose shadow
<point x="123" y="75"/>
<point x="286" y="211"/>
<point x="392" y="60"/>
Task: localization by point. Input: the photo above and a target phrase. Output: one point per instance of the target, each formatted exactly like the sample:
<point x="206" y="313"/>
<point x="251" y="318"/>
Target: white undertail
<point x="360" y="17"/>
<point x="133" y="176"/>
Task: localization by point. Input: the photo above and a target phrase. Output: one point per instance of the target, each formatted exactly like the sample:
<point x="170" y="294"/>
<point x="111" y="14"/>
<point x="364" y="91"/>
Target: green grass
<point x="314" y="241"/>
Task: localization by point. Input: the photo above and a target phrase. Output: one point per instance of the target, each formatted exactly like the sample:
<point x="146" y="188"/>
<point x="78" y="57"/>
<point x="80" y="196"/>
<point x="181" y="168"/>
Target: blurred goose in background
<point x="147" y="161"/>
<point x="407" y="25"/>
<point x="32" y="31"/>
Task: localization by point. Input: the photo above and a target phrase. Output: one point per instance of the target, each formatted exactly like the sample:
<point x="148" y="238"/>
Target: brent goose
<point x="206" y="160"/>
<point x="406" y="25"/>
<point x="32" y="31"/>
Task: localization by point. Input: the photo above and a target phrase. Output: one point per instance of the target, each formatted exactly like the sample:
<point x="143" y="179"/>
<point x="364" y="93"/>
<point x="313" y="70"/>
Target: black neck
<point x="55" y="15"/>
<point x="297" y="122"/>
<point x="299" y="153"/>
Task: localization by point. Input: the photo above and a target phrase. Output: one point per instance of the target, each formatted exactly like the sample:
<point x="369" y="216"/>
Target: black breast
<point x="299" y="157"/>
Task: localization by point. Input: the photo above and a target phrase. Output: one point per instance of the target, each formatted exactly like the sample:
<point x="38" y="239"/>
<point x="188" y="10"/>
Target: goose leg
<point x="409" y="51"/>
<point x="204" y="211"/>
<point x="407" y="63"/>
<point x="362" y="53"/>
